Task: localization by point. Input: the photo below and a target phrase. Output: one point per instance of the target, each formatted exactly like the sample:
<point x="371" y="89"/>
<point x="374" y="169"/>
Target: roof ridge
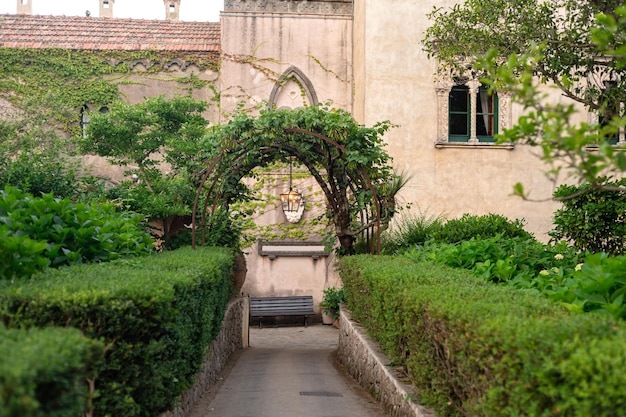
<point x="82" y="32"/>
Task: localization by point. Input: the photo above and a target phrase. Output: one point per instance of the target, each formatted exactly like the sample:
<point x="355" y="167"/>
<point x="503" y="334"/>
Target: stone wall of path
<point x="365" y="362"/>
<point x="232" y="337"/>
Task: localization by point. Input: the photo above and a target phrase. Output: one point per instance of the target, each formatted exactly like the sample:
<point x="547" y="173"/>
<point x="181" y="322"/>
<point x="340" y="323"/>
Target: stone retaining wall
<point x="365" y="362"/>
<point x="232" y="337"/>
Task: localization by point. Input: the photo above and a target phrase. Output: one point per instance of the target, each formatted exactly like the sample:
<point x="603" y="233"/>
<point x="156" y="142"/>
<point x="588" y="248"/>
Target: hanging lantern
<point x="292" y="202"/>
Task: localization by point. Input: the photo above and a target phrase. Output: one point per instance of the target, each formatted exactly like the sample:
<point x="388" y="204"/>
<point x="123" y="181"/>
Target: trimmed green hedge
<point x="474" y="348"/>
<point x="156" y="316"/>
<point x="45" y="372"/>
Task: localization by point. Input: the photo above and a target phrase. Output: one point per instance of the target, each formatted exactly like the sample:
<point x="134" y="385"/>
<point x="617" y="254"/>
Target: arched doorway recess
<point x="347" y="160"/>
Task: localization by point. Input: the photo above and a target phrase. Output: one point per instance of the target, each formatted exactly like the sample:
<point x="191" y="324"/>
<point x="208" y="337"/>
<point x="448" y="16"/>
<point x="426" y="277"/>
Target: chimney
<point x="172" y="10"/>
<point x="106" y="8"/>
<point x="24" y="7"/>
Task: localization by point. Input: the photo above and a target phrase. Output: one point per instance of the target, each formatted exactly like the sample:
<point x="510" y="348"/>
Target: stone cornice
<point x="327" y="7"/>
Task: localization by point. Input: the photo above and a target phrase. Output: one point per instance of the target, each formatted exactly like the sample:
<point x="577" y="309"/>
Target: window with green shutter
<point x="460" y="120"/>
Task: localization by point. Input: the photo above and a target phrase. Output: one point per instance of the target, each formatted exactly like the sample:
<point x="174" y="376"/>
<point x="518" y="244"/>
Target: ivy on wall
<point x="61" y="78"/>
<point x="265" y="184"/>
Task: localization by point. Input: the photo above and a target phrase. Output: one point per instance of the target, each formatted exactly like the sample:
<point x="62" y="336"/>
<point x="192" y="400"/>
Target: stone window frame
<point x="601" y="81"/>
<point x="293" y="73"/>
<point x="443" y="88"/>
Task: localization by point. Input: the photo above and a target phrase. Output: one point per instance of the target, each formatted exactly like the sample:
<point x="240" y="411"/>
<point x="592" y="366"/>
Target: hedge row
<point x="475" y="348"/>
<point x="43" y="372"/>
<point x="156" y="315"/>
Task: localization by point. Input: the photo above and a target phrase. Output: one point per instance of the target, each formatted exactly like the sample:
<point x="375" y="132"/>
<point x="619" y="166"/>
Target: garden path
<point x="287" y="372"/>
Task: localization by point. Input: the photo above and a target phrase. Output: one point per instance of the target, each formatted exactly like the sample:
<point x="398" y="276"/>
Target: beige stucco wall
<point x="258" y="47"/>
<point x="141" y="84"/>
<point x="288" y="275"/>
<point x="394" y="80"/>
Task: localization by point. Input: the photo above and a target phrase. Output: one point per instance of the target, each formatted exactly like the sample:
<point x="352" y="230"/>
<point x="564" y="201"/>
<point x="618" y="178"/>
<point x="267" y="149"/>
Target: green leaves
<point x="45" y="372"/>
<point x="46" y="230"/>
<point x="135" y="134"/>
<point x="478" y="349"/>
<point x="592" y="218"/>
<point x="565" y="274"/>
<point x="601" y="284"/>
<point x="144" y="136"/>
<point x="156" y="315"/>
<point x="341" y="155"/>
<point x="331" y="301"/>
<point x="20" y="256"/>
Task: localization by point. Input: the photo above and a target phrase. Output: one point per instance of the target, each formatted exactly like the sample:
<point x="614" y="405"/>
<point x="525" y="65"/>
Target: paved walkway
<point x="287" y="372"/>
<point x="315" y="336"/>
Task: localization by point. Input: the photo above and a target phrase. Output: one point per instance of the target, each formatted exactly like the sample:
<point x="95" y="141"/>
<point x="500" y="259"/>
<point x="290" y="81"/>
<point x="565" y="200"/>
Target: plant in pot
<point x="332" y="299"/>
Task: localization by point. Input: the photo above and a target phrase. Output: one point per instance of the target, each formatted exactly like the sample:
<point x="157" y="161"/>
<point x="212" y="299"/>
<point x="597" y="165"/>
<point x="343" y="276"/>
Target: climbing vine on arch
<point x="348" y="161"/>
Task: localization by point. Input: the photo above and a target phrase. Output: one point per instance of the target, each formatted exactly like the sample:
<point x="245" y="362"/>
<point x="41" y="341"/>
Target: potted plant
<point x="332" y="299"/>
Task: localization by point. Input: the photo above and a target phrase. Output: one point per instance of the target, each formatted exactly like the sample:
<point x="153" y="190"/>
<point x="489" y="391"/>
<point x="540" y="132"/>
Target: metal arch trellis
<point x="215" y="198"/>
<point x="214" y="163"/>
<point x="363" y="174"/>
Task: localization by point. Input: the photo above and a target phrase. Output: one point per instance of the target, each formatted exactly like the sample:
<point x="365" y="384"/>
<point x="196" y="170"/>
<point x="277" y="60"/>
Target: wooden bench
<point x="282" y="306"/>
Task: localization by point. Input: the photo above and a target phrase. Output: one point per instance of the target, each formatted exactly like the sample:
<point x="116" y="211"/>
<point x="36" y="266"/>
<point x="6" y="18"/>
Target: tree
<point x="143" y="137"/>
<point x="577" y="46"/>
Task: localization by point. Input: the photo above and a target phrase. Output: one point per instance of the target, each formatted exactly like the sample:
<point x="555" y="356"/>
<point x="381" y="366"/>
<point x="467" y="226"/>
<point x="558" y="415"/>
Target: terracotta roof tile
<point x="70" y="32"/>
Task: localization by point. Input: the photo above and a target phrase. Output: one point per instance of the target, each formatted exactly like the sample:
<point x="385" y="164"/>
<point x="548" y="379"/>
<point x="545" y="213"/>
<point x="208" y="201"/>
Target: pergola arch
<point x="339" y="165"/>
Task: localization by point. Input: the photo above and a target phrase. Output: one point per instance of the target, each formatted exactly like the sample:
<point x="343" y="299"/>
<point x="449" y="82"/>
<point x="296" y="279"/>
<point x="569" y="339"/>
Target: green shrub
<point x="39" y="174"/>
<point x="222" y="230"/>
<point x="408" y="231"/>
<point x="578" y="281"/>
<point x="160" y="199"/>
<point x="20" y="256"/>
<point x="72" y="233"/>
<point x="592" y="220"/>
<point x="598" y="284"/>
<point x="45" y="372"/>
<point x="474" y="348"/>
<point x="513" y="260"/>
<point x="331" y="301"/>
<point x="155" y="314"/>
<point x="472" y="226"/>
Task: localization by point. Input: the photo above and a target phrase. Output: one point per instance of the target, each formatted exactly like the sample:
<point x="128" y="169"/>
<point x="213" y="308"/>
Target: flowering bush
<point x="581" y="282"/>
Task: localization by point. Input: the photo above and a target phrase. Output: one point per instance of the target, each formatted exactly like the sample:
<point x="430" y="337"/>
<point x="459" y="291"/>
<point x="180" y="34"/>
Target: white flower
<point x="579" y="267"/>
<point x="544" y="273"/>
<point x="558" y="257"/>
